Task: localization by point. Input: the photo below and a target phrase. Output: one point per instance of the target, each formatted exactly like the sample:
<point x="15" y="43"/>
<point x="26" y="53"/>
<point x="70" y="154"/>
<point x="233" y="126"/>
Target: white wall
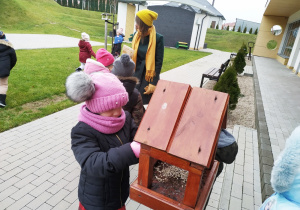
<point x="122" y="14"/>
<point x="201" y="34"/>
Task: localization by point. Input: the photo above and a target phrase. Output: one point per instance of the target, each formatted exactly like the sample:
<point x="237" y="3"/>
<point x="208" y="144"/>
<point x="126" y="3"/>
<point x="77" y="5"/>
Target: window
<point x="290" y="39"/>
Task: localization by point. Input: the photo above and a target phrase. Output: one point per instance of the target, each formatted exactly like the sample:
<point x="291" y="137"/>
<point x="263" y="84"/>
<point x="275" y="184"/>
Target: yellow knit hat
<point x="147" y="16"/>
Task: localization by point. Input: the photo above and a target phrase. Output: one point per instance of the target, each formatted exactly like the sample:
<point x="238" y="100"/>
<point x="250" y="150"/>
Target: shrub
<point x="239" y="29"/>
<point x="233" y="29"/>
<point x="228" y="83"/>
<point x="250" y="31"/>
<point x="239" y="61"/>
<point x="255" y="32"/>
<point x="244" y="49"/>
<point x="245" y="30"/>
<point x="217" y="27"/>
<point x="227" y="28"/>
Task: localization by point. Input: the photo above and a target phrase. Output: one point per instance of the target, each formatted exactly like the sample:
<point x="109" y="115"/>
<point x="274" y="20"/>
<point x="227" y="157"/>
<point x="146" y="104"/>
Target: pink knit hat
<point x="100" y="91"/>
<point x="92" y="66"/>
<point x="104" y="57"/>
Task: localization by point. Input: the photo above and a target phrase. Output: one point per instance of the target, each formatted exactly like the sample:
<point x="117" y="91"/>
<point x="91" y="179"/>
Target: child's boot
<point x="2" y="100"/>
<point x="78" y="69"/>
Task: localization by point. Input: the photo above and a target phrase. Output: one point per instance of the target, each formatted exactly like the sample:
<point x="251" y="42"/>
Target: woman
<point x="8" y="60"/>
<point x="148" y="53"/>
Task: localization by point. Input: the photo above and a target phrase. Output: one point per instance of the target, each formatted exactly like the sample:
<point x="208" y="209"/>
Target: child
<point x="8" y="60"/>
<point x="285" y="176"/>
<point x="92" y="66"/>
<point x="117" y="43"/>
<point x="85" y="50"/>
<point x="102" y="140"/>
<point x="123" y="68"/>
<point x="106" y="58"/>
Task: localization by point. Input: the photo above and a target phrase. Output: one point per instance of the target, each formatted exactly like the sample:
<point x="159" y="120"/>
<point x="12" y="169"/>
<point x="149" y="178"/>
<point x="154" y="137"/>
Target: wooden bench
<point x="214" y="73"/>
<point x="182" y="45"/>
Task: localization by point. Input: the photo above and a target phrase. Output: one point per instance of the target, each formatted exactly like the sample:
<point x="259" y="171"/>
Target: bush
<point x="228" y="83"/>
<point x="250" y="31"/>
<point x="245" y="30"/>
<point x="217" y="26"/>
<point x="255" y="32"/>
<point x="227" y="28"/>
<point x="239" y="29"/>
<point x="239" y="61"/>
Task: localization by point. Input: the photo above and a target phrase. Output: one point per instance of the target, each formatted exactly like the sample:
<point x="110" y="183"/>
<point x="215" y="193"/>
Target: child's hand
<point x="136" y="148"/>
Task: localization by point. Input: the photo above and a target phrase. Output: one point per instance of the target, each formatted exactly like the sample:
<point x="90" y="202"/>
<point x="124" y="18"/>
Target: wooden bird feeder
<point x="181" y="127"/>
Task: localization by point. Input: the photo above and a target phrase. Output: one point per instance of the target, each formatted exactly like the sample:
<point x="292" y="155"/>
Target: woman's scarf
<point x="150" y="55"/>
<point x="106" y="125"/>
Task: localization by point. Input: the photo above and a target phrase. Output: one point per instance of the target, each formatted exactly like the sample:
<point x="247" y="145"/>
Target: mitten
<point x="136" y="148"/>
<point x="149" y="89"/>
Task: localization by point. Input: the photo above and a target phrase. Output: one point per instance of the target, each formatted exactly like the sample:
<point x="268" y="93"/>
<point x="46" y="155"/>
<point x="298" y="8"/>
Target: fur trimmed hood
<point x="287" y="167"/>
<point x="7" y="43"/>
<point x="133" y="79"/>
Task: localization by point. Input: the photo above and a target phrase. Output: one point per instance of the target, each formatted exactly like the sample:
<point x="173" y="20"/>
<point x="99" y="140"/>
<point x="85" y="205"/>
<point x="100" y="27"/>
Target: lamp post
<point x="106" y="16"/>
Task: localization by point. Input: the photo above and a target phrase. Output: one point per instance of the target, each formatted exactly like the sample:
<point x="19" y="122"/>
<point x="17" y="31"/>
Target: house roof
<point x="282" y="8"/>
<point x="203" y="5"/>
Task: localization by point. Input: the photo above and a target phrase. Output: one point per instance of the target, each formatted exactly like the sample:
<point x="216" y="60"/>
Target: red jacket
<point x="85" y="51"/>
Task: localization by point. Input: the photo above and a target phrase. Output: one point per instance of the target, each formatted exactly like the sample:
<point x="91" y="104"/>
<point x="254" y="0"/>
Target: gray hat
<point x="123" y="66"/>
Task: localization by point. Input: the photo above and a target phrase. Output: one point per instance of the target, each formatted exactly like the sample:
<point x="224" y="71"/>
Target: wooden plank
<point x="192" y="190"/>
<point x="199" y="127"/>
<point x="162" y="114"/>
<point x="176" y="161"/>
<point x="145" y="174"/>
<point x="209" y="182"/>
<point x="209" y="71"/>
<point x="153" y="199"/>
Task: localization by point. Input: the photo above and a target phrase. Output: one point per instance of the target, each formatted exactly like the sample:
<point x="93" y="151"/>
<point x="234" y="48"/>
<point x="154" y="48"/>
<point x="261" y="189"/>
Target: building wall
<point x="265" y="35"/>
<point x="293" y="62"/>
<point x="122" y="13"/>
<point x="175" y="24"/>
<point x="199" y="33"/>
<point x="130" y="20"/>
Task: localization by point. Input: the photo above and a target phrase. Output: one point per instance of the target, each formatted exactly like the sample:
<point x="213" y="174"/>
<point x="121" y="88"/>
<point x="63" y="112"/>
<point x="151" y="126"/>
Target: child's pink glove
<point x="136" y="148"/>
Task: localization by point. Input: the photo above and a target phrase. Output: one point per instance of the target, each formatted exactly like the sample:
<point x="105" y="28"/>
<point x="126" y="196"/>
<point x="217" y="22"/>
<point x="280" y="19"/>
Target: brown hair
<point x="142" y="27"/>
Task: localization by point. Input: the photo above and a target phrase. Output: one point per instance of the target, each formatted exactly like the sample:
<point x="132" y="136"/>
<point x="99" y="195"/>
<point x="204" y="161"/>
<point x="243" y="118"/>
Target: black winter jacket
<point x="135" y="104"/>
<point x="104" y="161"/>
<point x="8" y="58"/>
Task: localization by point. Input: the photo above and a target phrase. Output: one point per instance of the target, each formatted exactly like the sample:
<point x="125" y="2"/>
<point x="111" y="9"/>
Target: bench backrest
<point x="224" y="66"/>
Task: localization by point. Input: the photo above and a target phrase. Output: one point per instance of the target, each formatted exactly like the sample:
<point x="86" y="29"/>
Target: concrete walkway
<point x="38" y="169"/>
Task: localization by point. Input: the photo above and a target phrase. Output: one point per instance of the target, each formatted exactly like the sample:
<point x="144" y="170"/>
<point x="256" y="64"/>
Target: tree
<point x="239" y="29"/>
<point x="227" y="28"/>
<point x="228" y="83"/>
<point x="217" y="27"/>
<point x="64" y="3"/>
<point x="255" y="32"/>
<point x="245" y="30"/>
<point x="70" y="3"/>
<point x="59" y="2"/>
<point x="233" y="29"/>
<point x="239" y="61"/>
<point x="250" y="31"/>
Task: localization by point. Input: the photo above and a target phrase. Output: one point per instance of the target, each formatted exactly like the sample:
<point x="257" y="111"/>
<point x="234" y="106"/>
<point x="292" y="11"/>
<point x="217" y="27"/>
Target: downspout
<point x="196" y="37"/>
<point x="201" y="30"/>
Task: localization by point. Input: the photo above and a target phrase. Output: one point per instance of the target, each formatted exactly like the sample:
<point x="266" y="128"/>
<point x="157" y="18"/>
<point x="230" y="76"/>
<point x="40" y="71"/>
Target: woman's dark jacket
<point x="135" y="104"/>
<point x="104" y="161"/>
<point x="8" y="58"/>
<point x="141" y="64"/>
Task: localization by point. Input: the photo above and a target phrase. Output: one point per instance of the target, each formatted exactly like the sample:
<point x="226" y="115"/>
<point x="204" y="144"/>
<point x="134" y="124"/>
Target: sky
<point x="251" y="10"/>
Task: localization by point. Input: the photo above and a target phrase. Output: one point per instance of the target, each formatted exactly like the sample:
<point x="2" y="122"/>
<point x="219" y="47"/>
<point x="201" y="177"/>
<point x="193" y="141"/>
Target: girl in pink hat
<point x="102" y="140"/>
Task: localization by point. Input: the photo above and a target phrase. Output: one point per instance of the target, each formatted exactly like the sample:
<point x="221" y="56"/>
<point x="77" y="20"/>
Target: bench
<point x="214" y="73"/>
<point x="182" y="45"/>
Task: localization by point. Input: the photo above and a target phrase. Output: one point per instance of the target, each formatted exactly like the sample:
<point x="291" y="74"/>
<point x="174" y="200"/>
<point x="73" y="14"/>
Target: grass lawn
<point x="36" y="84"/>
